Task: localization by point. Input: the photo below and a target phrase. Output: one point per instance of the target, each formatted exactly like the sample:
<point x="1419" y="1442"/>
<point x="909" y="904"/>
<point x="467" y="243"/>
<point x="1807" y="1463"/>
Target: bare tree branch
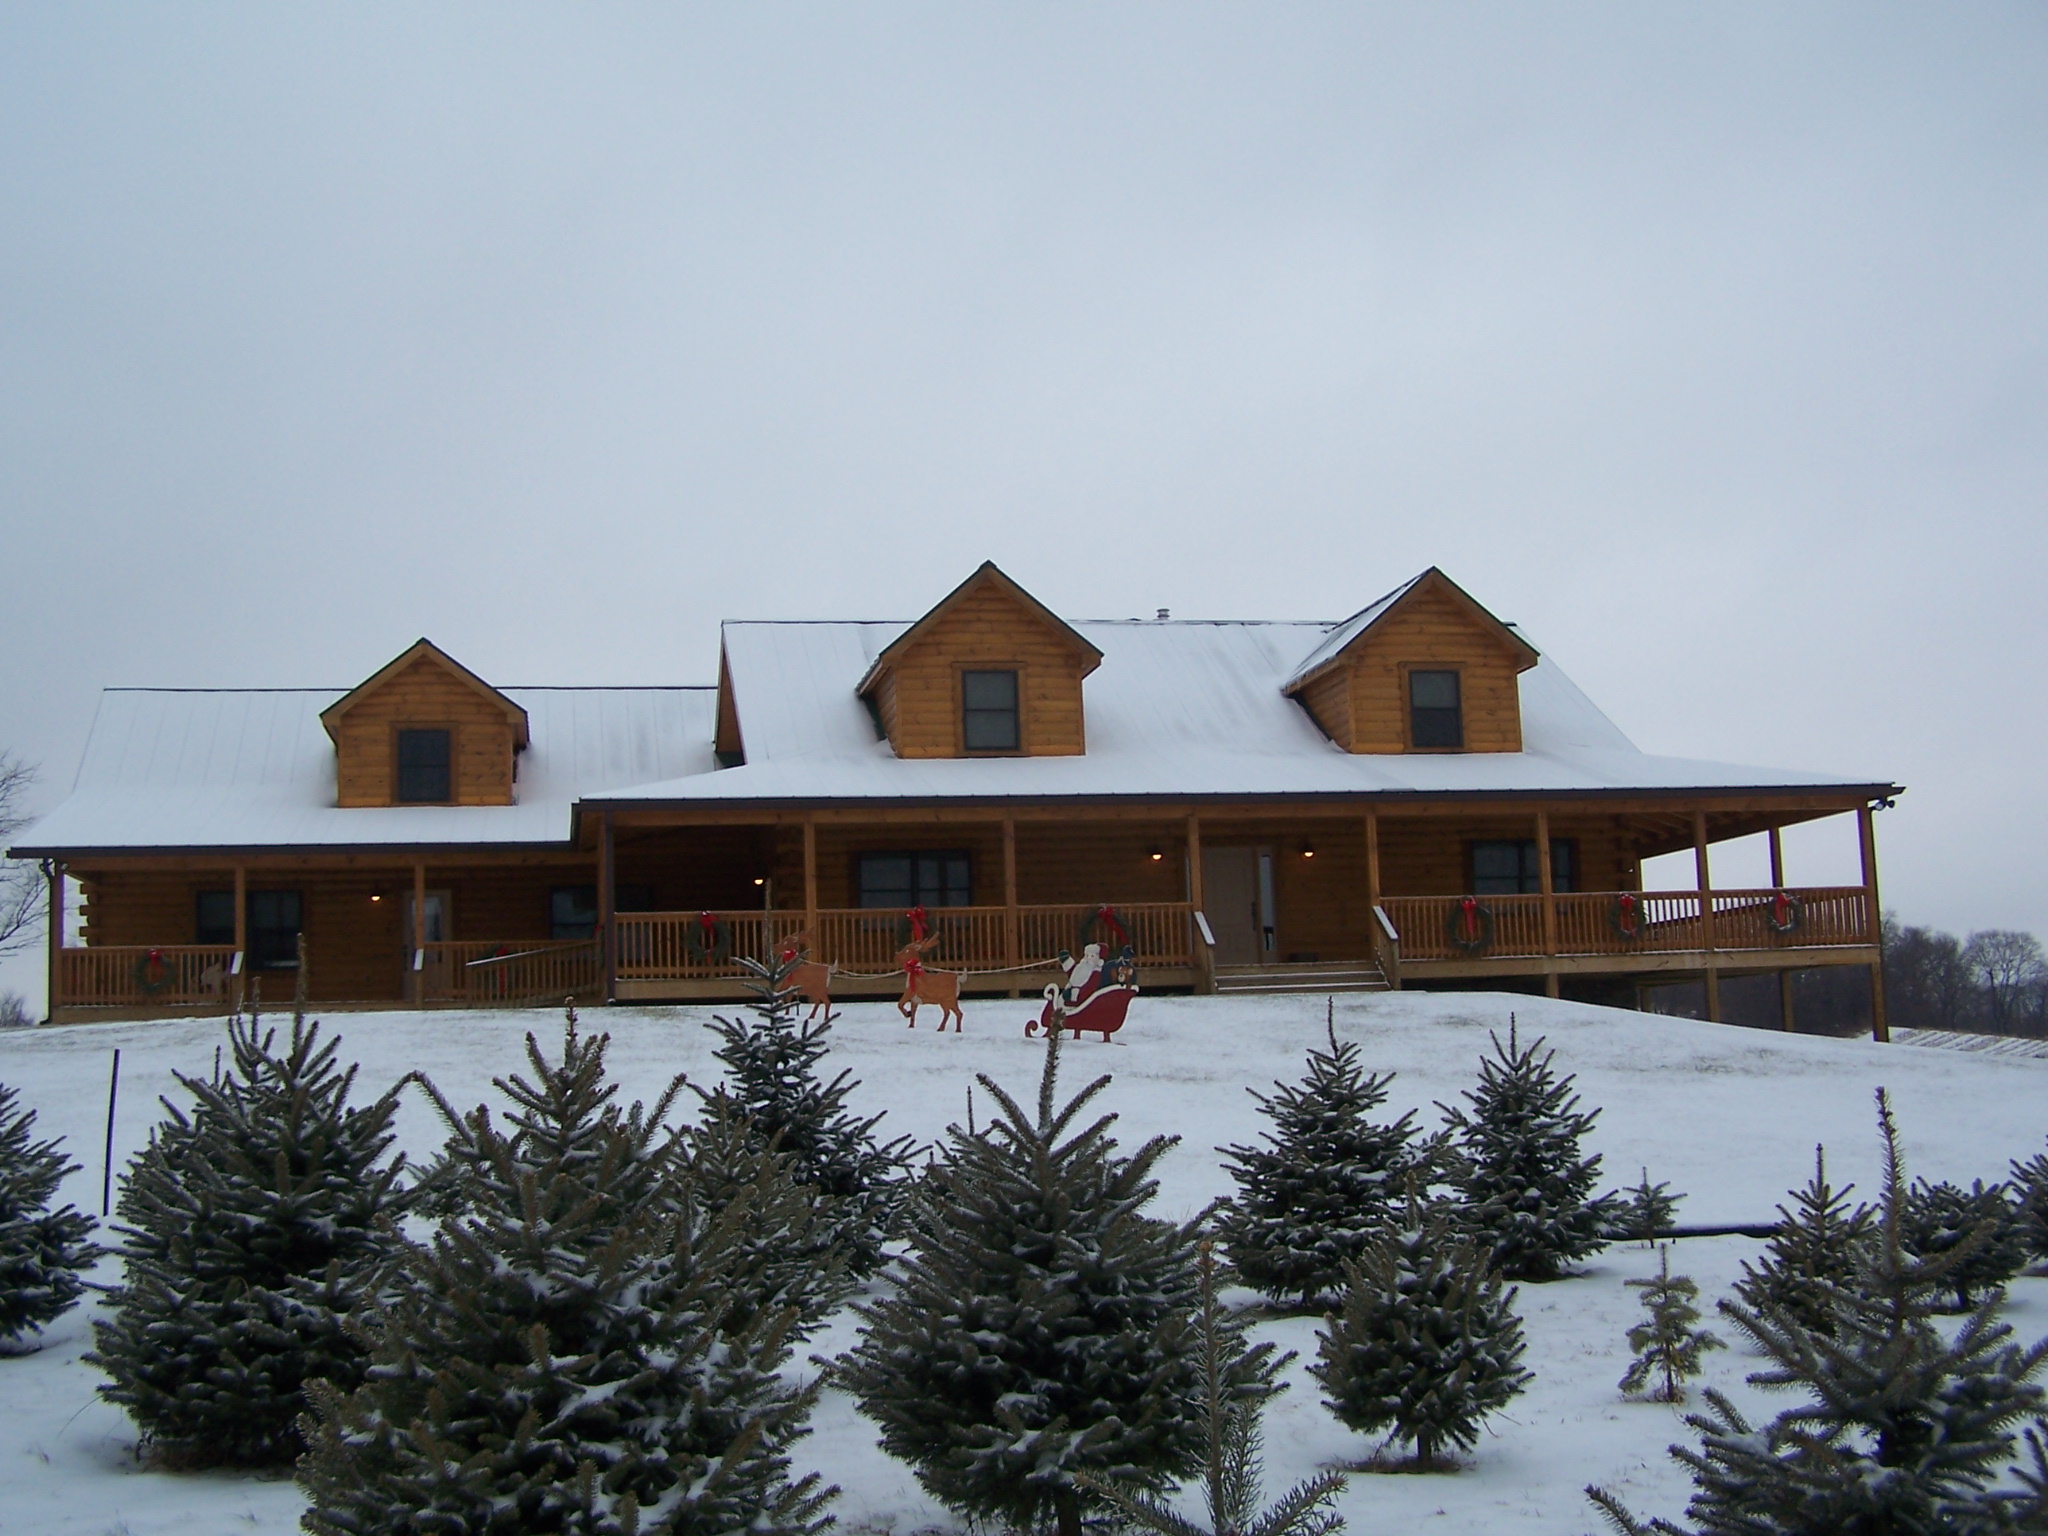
<point x="21" y="883"/>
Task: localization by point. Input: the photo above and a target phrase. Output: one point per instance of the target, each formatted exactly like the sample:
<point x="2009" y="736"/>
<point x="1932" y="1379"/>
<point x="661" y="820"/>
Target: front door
<point x="1231" y="902"/>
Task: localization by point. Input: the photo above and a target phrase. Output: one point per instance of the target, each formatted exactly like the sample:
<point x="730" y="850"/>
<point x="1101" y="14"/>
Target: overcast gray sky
<point x="1706" y="342"/>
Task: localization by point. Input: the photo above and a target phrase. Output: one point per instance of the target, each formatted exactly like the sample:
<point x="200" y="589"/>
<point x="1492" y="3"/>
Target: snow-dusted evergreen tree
<point x="2030" y="1183"/>
<point x="1646" y="1212"/>
<point x="773" y="1082"/>
<point x="784" y="1254"/>
<point x="1238" y="1378"/>
<point x="1043" y="1325"/>
<point x="1810" y="1256"/>
<point x="1902" y="1428"/>
<point x="1427" y="1344"/>
<point x="555" y="1359"/>
<point x="253" y="1227"/>
<point x="41" y="1250"/>
<point x="1668" y="1343"/>
<point x="1325" y="1183"/>
<point x="1942" y="1218"/>
<point x="1525" y="1185"/>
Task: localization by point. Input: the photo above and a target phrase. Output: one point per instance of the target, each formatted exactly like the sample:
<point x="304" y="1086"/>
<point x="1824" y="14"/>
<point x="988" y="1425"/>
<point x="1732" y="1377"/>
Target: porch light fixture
<point x="1308" y="850"/>
<point x="760" y="879"/>
<point x="1156" y="854"/>
<point x="376" y="895"/>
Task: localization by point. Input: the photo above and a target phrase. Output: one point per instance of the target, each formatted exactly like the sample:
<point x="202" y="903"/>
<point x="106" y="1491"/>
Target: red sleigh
<point x="1098" y="1006"/>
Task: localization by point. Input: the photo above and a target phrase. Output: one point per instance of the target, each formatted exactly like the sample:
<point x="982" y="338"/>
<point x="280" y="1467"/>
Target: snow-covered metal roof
<point x="1177" y="708"/>
<point x="179" y="768"/>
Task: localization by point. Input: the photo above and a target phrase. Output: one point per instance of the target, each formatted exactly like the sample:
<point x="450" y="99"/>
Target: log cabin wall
<point x="1433" y="629"/>
<point x="697" y="869"/>
<point x="919" y="695"/>
<point x="425" y="694"/>
<point x="1328" y="702"/>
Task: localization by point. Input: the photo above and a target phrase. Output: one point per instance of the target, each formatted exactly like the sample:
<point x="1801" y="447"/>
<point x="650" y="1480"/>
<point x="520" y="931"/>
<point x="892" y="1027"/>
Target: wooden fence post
<point x="1546" y="884"/>
<point x="1784" y="975"/>
<point x="1706" y="885"/>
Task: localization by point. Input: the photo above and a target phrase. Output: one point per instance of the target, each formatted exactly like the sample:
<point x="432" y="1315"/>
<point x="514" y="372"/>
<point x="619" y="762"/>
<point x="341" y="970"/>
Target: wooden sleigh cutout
<point x="1098" y="1006"/>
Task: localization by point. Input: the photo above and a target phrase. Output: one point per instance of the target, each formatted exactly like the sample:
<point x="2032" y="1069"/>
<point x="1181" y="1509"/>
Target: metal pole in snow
<point x="107" y="1178"/>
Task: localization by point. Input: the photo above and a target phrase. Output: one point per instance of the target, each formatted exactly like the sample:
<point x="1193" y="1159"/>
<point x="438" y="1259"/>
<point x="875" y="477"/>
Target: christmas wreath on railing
<point x="154" y="973"/>
<point x="1469" y="926"/>
<point x="1105" y="915"/>
<point x="708" y="940"/>
<point x="1625" y="917"/>
<point x="1786" y="913"/>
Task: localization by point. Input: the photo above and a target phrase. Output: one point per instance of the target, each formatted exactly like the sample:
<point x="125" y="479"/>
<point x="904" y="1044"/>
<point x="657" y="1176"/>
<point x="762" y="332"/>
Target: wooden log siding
<point x="1431" y="630"/>
<point x="1834" y="916"/>
<point x="425" y="694"/>
<point x="920" y="695"/>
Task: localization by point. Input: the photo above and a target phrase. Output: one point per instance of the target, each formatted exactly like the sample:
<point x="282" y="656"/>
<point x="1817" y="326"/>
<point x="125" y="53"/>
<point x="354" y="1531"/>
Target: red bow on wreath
<point x="1468" y="917"/>
<point x="1781" y="909"/>
<point x="920" y="923"/>
<point x="1108" y="917"/>
<point x="707" y="925"/>
<point x="1625" y="914"/>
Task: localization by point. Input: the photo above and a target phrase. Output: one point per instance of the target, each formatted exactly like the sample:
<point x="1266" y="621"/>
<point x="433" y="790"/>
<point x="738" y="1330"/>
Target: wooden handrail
<point x="1662" y="922"/>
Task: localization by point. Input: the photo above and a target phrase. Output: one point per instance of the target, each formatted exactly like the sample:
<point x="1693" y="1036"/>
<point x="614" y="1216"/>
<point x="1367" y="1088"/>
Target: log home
<point x="1413" y="796"/>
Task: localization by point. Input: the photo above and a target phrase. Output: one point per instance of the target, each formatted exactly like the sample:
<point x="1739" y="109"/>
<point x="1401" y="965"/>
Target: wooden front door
<point x="1230" y="895"/>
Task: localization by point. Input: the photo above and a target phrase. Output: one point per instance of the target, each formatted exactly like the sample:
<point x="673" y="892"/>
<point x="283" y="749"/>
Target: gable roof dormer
<point x="1356" y="682"/>
<point x="932" y="686"/>
<point x="424" y="690"/>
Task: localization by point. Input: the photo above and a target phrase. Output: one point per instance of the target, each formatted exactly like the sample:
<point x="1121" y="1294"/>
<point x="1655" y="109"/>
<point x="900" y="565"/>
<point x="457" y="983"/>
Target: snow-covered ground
<point x="1730" y="1116"/>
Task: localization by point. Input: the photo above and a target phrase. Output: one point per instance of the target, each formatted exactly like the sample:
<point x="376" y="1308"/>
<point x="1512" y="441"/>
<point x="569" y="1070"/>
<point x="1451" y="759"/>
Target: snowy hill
<point x="1727" y="1115"/>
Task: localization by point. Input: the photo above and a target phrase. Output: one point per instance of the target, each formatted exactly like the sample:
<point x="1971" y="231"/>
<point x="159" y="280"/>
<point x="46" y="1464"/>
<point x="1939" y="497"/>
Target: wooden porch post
<point x="1784" y="976"/>
<point x="1545" y="881"/>
<point x="607" y="877"/>
<point x="1372" y="859"/>
<point x="811" y="879"/>
<point x="1706" y="885"/>
<point x="1205" y="961"/>
<point x="1866" y="836"/>
<point x="242" y="933"/>
<point x="54" y="871"/>
<point x="416" y="978"/>
<point x="1010" y="957"/>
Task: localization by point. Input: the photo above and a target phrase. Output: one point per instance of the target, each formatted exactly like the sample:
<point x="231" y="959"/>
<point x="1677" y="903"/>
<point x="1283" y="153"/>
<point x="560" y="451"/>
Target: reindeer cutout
<point x="811" y="979"/>
<point x="939" y="988"/>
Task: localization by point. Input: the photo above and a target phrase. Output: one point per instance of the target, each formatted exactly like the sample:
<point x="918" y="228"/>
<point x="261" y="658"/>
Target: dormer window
<point x="1436" y="712"/>
<point x="424" y="776"/>
<point x="988" y="712"/>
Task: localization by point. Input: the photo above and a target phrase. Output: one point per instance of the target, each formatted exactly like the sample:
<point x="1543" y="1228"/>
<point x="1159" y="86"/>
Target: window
<point x="906" y="880"/>
<point x="216" y="924"/>
<point x="988" y="712"/>
<point x="274" y="922"/>
<point x="1509" y="869"/>
<point x="1436" y="717"/>
<point x="423" y="777"/>
<point x="572" y="911"/>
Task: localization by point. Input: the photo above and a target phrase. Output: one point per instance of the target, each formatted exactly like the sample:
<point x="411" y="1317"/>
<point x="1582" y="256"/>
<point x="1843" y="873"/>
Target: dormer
<point x="989" y="672"/>
<point x="424" y="730"/>
<point x="1424" y="669"/>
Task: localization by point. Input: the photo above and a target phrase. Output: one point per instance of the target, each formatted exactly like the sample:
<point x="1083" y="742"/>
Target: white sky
<point x="1707" y="342"/>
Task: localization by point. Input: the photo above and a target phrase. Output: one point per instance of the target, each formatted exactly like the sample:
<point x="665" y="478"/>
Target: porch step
<point x="1317" y="976"/>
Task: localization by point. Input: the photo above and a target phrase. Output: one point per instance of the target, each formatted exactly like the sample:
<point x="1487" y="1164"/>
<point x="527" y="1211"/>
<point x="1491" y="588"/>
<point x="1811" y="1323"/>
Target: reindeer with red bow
<point x="920" y="985"/>
<point x="811" y="980"/>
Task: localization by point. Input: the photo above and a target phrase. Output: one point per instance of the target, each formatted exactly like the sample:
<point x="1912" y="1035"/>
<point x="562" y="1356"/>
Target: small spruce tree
<point x="1325" y="1183"/>
<point x="1042" y="1326"/>
<point x="555" y="1359"/>
<point x="1667" y="1344"/>
<point x="1524" y="1184"/>
<point x="773" y="1086"/>
<point x="1427" y="1344"/>
<point x="1647" y="1213"/>
<point x="254" y="1227"/>
<point x="41" y="1250"/>
<point x="1904" y="1426"/>
<point x="1940" y="1218"/>
<point x="1810" y="1256"/>
<point x="2030" y="1183"/>
<point x="1238" y="1379"/>
<point x="784" y="1256"/>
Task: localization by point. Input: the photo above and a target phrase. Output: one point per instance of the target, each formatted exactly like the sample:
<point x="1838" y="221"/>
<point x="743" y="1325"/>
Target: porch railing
<point x="145" y="975"/>
<point x="1654" y="922"/>
<point x="483" y="973"/>
<point x="666" y="946"/>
